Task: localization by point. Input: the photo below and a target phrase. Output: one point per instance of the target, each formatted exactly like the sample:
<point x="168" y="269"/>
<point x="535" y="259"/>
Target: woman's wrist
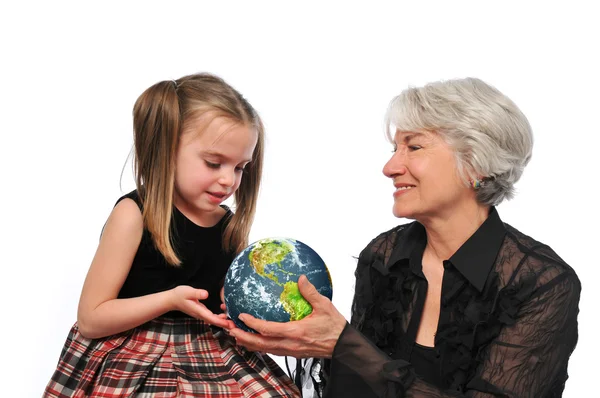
<point x="339" y="333"/>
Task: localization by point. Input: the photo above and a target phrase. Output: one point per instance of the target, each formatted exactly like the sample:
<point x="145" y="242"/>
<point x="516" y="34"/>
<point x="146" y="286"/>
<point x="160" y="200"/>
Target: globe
<point x="263" y="281"/>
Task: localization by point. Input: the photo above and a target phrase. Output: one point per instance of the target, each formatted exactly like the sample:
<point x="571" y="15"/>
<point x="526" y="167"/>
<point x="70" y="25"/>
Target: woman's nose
<point x="395" y="166"/>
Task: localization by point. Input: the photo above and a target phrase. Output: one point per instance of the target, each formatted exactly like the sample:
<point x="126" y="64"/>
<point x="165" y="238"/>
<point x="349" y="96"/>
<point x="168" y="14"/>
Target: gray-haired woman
<point x="456" y="303"/>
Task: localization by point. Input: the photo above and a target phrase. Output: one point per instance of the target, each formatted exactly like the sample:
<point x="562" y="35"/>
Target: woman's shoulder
<point x="381" y="246"/>
<point x="392" y="234"/>
<point x="536" y="259"/>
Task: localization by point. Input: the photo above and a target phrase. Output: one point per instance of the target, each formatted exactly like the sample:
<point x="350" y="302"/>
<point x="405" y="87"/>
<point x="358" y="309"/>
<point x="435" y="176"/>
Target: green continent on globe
<point x="269" y="252"/>
<point x="293" y="302"/>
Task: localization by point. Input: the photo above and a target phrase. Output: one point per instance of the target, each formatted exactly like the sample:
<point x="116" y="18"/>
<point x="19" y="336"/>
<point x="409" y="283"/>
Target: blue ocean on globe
<point x="263" y="281"/>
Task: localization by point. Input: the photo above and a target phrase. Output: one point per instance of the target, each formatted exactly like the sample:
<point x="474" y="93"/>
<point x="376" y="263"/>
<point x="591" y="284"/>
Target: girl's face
<point x="423" y="170"/>
<point x="211" y="157"/>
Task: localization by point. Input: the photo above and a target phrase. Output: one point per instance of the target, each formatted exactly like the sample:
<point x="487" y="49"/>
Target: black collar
<point x="474" y="259"/>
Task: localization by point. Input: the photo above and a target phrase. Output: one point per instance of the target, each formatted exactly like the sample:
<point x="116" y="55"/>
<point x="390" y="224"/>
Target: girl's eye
<point x="242" y="168"/>
<point x="212" y="165"/>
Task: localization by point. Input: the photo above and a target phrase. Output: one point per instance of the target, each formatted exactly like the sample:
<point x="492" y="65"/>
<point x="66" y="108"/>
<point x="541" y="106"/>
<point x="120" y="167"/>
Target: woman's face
<point x="426" y="181"/>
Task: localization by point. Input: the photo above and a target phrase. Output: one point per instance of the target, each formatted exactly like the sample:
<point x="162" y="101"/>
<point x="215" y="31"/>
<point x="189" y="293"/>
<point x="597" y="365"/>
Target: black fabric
<point x="425" y="361"/>
<point x="203" y="262"/>
<point x="507" y="326"/>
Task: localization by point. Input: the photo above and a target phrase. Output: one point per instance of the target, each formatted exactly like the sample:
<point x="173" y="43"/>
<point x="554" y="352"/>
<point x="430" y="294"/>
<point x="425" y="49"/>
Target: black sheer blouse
<point x="507" y="326"/>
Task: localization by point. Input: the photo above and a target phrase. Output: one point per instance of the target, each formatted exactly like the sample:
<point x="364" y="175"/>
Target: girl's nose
<point x="227" y="178"/>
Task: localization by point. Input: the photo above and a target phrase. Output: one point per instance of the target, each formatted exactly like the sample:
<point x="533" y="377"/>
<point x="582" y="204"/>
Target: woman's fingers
<point x="259" y="343"/>
<point x="266" y="328"/>
<point x="309" y="292"/>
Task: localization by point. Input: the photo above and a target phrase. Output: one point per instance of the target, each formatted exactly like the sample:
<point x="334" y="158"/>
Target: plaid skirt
<point x="166" y="357"/>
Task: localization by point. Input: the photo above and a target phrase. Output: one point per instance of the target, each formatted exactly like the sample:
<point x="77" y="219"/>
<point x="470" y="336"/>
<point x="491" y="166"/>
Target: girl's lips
<point x="217" y="197"/>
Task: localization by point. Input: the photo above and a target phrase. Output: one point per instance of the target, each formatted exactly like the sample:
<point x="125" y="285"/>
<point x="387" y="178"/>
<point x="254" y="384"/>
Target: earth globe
<point x="263" y="281"/>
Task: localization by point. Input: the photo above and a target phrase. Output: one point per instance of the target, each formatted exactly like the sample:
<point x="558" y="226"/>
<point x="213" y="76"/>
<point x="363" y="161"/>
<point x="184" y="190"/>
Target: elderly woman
<point x="456" y="303"/>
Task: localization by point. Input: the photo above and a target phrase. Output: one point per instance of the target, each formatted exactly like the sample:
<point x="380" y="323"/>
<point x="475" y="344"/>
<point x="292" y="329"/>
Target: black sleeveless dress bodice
<point x="203" y="260"/>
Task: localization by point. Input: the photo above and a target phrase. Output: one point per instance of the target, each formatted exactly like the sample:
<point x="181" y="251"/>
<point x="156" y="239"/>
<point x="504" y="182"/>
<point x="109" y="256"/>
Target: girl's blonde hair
<point x="160" y="115"/>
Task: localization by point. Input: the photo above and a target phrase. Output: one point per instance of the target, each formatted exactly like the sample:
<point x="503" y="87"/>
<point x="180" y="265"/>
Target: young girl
<point x="147" y="322"/>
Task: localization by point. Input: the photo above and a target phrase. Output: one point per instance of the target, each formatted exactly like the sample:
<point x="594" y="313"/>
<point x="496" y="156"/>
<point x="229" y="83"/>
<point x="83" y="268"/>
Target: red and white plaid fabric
<point x="166" y="357"/>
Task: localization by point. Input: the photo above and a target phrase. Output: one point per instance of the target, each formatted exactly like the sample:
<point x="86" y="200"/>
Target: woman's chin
<point x="402" y="212"/>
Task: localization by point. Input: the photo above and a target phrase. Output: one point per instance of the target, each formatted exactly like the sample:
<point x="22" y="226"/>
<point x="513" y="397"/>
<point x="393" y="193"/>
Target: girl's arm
<point x="100" y="313"/>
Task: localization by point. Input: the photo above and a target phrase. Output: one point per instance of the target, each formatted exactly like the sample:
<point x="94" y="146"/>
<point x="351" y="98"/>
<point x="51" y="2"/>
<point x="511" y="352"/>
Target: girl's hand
<point x="186" y="299"/>
<point x="222" y="294"/>
<point x="313" y="336"/>
<point x="230" y="323"/>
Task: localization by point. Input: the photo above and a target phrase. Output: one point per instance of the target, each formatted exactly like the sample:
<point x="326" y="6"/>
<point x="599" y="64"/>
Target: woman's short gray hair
<point x="490" y="135"/>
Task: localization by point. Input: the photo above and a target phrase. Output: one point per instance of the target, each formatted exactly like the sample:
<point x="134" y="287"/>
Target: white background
<point x="321" y="75"/>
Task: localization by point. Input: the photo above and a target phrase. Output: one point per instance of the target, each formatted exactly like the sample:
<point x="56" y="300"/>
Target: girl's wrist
<point x="167" y="298"/>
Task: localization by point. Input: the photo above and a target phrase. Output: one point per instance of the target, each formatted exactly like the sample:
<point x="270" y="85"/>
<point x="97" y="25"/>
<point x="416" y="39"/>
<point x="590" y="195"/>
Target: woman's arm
<point x="523" y="361"/>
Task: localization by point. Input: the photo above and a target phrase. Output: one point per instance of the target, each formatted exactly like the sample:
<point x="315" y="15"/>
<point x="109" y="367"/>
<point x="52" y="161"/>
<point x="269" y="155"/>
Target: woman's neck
<point x="446" y="233"/>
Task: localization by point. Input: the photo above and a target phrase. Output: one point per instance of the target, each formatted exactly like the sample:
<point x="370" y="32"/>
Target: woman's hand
<point x="186" y="299"/>
<point x="313" y="336"/>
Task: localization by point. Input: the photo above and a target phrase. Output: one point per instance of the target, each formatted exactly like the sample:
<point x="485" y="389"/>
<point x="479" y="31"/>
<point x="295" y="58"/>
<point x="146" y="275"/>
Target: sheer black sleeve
<point x="527" y="356"/>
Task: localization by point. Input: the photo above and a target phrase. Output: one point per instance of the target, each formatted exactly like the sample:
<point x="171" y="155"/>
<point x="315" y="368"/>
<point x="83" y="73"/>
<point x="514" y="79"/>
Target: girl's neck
<point x="202" y="219"/>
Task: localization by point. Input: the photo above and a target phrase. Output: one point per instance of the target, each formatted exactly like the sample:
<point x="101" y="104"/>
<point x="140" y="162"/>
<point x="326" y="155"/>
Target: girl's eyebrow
<point x="221" y="156"/>
<point x="212" y="153"/>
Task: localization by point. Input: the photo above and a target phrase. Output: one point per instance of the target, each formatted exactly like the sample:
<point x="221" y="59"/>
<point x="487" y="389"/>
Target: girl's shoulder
<point x="124" y="215"/>
<point x="133" y="195"/>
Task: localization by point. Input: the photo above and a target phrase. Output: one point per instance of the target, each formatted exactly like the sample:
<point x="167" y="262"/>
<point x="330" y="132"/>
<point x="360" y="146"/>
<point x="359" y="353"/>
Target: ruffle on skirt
<point x="166" y="357"/>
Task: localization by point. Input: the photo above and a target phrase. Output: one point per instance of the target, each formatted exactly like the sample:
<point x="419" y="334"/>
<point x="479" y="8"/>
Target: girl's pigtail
<point x="236" y="234"/>
<point x="157" y="122"/>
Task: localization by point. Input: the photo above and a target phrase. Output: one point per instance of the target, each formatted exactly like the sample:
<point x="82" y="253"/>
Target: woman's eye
<point x="212" y="165"/>
<point x="414" y="147"/>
